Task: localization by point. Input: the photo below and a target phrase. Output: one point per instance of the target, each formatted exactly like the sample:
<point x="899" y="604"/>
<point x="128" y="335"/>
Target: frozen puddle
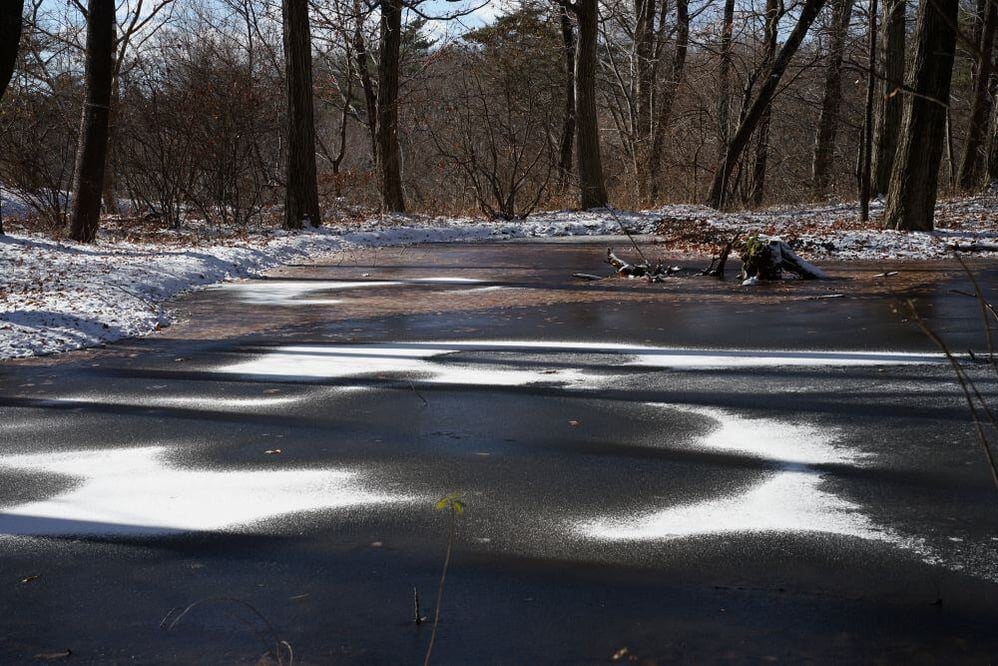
<point x="139" y="492"/>
<point x="298" y="292"/>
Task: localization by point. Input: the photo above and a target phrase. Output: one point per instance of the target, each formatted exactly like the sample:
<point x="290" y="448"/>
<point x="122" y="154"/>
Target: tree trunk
<point x="866" y="143"/>
<point x="975" y="155"/>
<point x="667" y="98"/>
<point x="364" y="71"/>
<point x="11" y="20"/>
<point x="724" y="84"/>
<point x="301" y="194"/>
<point x="109" y="191"/>
<point x="91" y="153"/>
<point x="592" y="188"/>
<point x="645" y="12"/>
<point x="828" y="121"/>
<point x="718" y="187"/>
<point x="762" y="132"/>
<point x="565" y="149"/>
<point x="911" y="199"/>
<point x="389" y="158"/>
<point x="890" y="101"/>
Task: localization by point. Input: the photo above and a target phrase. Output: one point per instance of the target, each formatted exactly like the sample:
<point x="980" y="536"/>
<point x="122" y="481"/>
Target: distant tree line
<point x="237" y="110"/>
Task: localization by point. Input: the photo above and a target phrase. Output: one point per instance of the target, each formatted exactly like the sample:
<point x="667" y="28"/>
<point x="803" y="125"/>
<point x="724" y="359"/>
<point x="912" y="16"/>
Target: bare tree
<point x="911" y="198"/>
<point x="719" y="186"/>
<point x="889" y="101"/>
<point x="592" y="187"/>
<point x="91" y="155"/>
<point x="774" y="12"/>
<point x="724" y="82"/>
<point x="566" y="144"/>
<point x="831" y="102"/>
<point x="301" y="199"/>
<point x="975" y="155"/>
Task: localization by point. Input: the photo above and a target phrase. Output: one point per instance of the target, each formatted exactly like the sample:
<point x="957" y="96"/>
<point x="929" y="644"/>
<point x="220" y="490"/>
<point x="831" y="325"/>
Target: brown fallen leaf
<point x="574" y="423"/>
<point x="30" y="579"/>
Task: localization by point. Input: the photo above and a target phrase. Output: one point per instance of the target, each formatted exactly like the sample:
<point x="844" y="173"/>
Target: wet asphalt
<point x="884" y="549"/>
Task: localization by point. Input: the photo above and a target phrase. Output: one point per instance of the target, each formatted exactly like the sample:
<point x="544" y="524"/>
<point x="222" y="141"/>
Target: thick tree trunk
<point x="718" y="188"/>
<point x="592" y="188"/>
<point x="762" y="132"/>
<point x="301" y="194"/>
<point x="828" y="121"/>
<point x="565" y="148"/>
<point x="389" y="157"/>
<point x="911" y="199"/>
<point x="91" y="153"/>
<point x="975" y="155"/>
<point x="11" y="20"/>
<point x="890" y="101"/>
<point x="667" y="98"/>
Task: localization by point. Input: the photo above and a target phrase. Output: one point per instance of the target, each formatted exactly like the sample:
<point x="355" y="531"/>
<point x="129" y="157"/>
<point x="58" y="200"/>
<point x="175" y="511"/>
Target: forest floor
<point x="56" y="295"/>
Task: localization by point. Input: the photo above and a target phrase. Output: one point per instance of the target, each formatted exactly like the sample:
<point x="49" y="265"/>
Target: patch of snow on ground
<point x="140" y="492"/>
<point x="790" y="498"/>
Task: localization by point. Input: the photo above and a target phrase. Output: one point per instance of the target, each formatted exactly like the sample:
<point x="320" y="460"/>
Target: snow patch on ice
<point x="139" y="492"/>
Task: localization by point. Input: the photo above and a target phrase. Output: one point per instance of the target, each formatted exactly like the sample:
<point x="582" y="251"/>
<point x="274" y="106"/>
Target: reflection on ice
<point x="425" y="359"/>
<point x="296" y="292"/>
<point x="419" y="359"/>
<point x="136" y="491"/>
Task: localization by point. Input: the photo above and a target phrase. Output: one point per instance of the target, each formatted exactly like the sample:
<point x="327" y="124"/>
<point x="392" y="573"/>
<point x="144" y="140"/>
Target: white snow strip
<point x="139" y="492"/>
<point x="416" y="359"/>
<point x="421" y="361"/>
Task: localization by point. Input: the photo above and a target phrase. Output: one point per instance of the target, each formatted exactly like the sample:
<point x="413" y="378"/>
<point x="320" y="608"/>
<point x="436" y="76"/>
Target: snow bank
<point x="59" y="295"/>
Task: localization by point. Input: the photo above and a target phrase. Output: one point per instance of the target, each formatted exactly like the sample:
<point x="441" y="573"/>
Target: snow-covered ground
<point x="58" y="295"/>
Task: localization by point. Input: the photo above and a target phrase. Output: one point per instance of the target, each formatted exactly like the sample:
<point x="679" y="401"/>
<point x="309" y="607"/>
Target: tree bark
<point x="644" y="65"/>
<point x="565" y="148"/>
<point x="724" y="83"/>
<point x="828" y="120"/>
<point x="911" y="198"/>
<point x="866" y="145"/>
<point x="592" y="188"/>
<point x="890" y="101"/>
<point x="718" y="188"/>
<point x="389" y="158"/>
<point x="762" y="132"/>
<point x="301" y="194"/>
<point x="364" y="72"/>
<point x="91" y="153"/>
<point x="974" y="155"/>
<point x="11" y="20"/>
